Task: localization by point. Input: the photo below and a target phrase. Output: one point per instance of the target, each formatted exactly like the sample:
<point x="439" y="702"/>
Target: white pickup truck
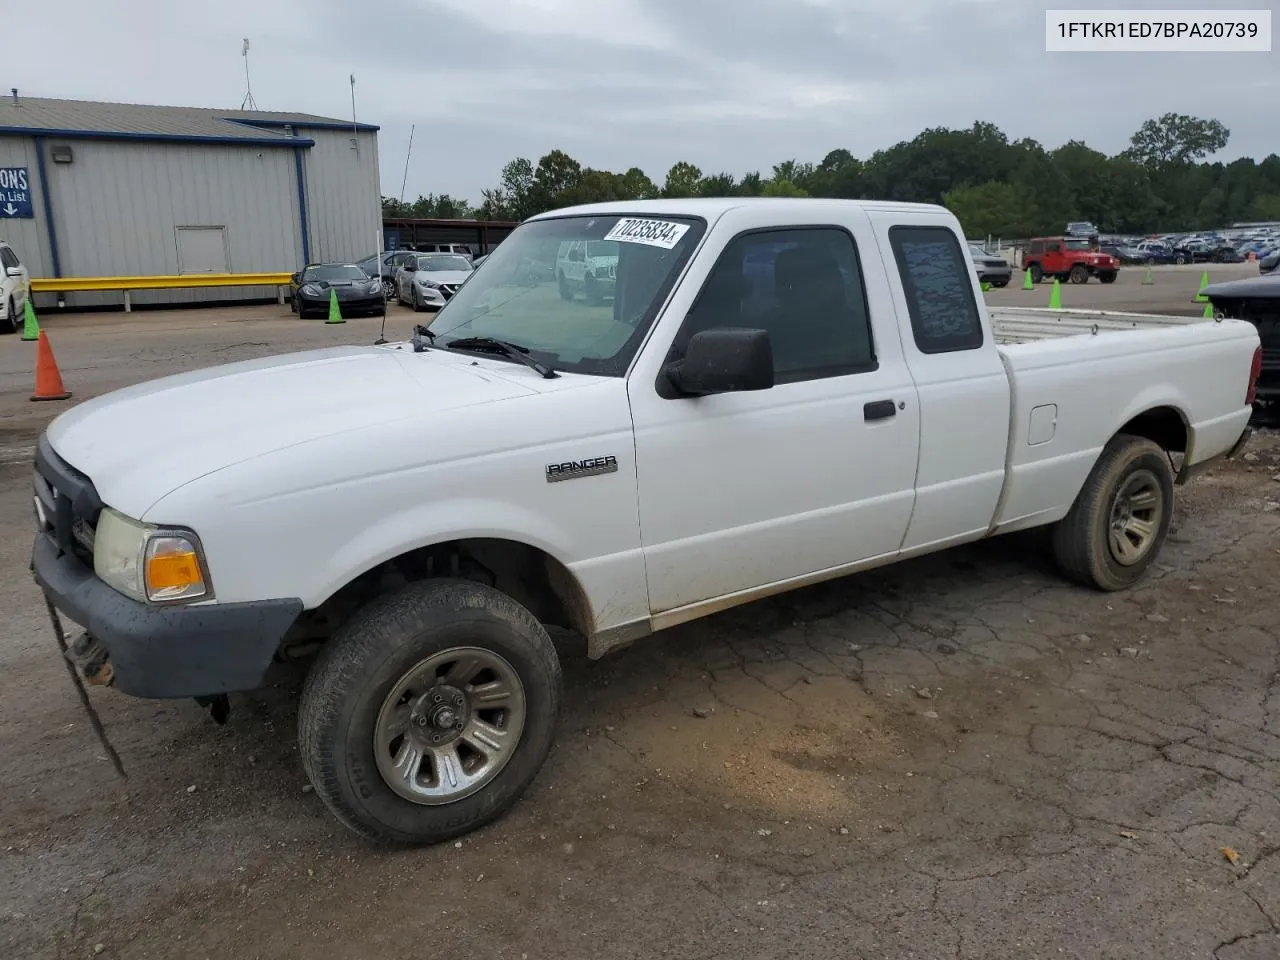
<point x="778" y="392"/>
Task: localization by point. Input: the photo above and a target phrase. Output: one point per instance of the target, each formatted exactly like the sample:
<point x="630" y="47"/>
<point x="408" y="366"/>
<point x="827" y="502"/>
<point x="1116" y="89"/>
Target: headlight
<point x="146" y="562"/>
<point x="428" y="283"/>
<point x="375" y="284"/>
<point x="311" y="290"/>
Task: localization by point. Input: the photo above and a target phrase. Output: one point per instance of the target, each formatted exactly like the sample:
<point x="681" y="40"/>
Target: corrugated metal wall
<point x="118" y="207"/>
<point x="343" y="201"/>
<point x="27" y="237"/>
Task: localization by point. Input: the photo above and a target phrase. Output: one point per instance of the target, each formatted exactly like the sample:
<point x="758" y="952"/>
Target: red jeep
<point x="1068" y="258"/>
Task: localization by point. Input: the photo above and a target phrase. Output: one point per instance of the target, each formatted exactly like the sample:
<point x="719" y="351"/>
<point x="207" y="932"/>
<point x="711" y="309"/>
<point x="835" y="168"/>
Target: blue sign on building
<point x="15" y="194"/>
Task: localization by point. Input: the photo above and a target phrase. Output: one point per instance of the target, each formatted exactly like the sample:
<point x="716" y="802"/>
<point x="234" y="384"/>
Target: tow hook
<point x="92" y="660"/>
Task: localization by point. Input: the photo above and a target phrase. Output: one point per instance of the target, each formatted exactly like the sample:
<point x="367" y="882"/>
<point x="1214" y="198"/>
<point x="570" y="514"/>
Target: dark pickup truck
<point x="1256" y="300"/>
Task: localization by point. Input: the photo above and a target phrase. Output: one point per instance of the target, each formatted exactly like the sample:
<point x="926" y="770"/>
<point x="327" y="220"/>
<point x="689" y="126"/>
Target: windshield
<point x="331" y="272"/>
<point x="602" y="248"/>
<point x="1077" y="244"/>
<point x="449" y="262"/>
<point x="572" y="319"/>
<point x="978" y="251"/>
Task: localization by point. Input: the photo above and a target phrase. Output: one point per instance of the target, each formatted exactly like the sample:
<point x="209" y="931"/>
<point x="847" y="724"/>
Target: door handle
<point x="879" y="410"/>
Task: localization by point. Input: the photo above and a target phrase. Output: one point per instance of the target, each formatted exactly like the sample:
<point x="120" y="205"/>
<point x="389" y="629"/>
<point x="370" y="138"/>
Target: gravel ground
<point x="959" y="756"/>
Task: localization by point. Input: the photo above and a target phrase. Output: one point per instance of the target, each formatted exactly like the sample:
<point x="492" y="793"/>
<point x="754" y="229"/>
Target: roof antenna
<point x="247" y="103"/>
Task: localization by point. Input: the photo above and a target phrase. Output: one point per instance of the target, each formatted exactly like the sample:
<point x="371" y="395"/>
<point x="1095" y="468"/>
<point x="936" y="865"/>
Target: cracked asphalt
<point x="956" y="757"/>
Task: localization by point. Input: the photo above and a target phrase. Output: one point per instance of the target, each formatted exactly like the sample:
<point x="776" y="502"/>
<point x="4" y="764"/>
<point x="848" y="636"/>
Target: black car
<point x="1256" y="300"/>
<point x="311" y="288"/>
<point x="1126" y="254"/>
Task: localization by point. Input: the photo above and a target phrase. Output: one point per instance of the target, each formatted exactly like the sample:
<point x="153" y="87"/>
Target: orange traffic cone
<point x="48" y="379"/>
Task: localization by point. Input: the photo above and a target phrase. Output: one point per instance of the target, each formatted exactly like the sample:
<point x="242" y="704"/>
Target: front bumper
<point x="995" y="274"/>
<point x="372" y="303"/>
<point x="153" y="651"/>
<point x="166" y="651"/>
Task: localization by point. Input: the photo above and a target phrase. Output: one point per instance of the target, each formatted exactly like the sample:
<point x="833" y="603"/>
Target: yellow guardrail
<point x="181" y="282"/>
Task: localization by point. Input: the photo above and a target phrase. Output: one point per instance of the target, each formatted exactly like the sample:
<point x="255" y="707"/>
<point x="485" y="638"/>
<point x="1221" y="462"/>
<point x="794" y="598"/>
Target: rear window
<point x="939" y="289"/>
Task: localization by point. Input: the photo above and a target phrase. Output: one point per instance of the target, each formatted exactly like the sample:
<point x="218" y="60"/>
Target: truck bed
<point x="1029" y="324"/>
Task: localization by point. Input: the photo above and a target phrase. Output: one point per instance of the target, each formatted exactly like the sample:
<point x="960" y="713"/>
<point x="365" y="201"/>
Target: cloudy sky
<point x="730" y="85"/>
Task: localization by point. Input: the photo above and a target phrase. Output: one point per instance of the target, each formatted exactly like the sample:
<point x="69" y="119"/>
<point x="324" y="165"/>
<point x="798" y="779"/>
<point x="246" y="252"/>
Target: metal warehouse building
<point x="123" y="190"/>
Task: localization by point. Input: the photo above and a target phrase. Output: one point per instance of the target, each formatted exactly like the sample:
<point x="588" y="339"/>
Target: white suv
<point x="15" y="285"/>
<point x="588" y="267"/>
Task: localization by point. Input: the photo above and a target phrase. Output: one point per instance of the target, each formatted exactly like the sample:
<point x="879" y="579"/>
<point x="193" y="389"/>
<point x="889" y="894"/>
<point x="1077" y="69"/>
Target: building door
<point x="202" y="250"/>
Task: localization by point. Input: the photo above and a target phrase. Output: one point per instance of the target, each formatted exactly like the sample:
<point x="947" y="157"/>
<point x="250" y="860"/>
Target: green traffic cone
<point x="1027" y="282"/>
<point x="1208" y="311"/>
<point x="1147" y="279"/>
<point x="1204" y="282"/>
<point x="335" y="315"/>
<point x="986" y="286"/>
<point x="30" y="327"/>
<point x="1055" y="296"/>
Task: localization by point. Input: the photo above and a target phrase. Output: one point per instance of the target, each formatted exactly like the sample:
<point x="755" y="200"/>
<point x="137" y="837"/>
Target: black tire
<point x="565" y="292"/>
<point x="10" y="325"/>
<point x="1107" y="276"/>
<point x="591" y="291"/>
<point x="1037" y="273"/>
<point x="357" y="670"/>
<point x="388" y="289"/>
<point x="417" y="302"/>
<point x="1079" y="273"/>
<point x="1082" y="540"/>
<point x="999" y="283"/>
<point x="1179" y="258"/>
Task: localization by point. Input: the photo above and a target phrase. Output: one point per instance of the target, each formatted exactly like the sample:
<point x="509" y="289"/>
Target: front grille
<point x="449" y="289"/>
<point x="68" y="502"/>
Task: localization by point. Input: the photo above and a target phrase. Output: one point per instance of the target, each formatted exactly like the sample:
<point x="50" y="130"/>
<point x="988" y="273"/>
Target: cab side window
<point x="939" y="287"/>
<point x="804" y="287"/>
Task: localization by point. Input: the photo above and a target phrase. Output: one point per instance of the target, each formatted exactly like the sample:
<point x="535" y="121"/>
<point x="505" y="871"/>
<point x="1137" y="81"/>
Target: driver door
<point x="746" y="493"/>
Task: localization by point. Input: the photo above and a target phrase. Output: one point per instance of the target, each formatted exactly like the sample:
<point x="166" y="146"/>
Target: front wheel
<point x="430" y="712"/>
<point x="566" y="293"/>
<point x="10" y="323"/>
<point x="1119" y="522"/>
<point x="1107" y="277"/>
<point x="1079" y="273"/>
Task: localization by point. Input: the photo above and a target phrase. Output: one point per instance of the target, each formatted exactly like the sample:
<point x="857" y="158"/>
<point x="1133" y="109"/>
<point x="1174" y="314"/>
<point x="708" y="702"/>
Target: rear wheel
<point x="1120" y="520"/>
<point x="1037" y="273"/>
<point x="430" y="712"/>
<point x="999" y="283"/>
<point x="1079" y="273"/>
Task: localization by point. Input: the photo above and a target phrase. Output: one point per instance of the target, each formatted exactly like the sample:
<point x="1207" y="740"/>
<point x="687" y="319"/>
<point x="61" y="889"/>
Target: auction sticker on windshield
<point x="654" y="233"/>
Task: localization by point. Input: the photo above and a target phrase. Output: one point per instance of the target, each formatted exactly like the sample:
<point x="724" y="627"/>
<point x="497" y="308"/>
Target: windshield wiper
<point x="505" y="347"/>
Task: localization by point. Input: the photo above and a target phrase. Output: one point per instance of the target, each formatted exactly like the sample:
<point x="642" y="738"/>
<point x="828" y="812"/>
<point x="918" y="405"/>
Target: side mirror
<point x="13" y="271"/>
<point x="722" y="360"/>
<point x="296" y="278"/>
<point x="410" y="266"/>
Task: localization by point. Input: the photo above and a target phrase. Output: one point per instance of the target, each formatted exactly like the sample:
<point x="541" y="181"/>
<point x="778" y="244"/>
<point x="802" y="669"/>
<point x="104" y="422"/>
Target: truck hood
<point x="141" y="443"/>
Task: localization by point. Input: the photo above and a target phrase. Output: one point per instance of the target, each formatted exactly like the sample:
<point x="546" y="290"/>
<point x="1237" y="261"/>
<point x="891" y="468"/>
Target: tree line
<point x="996" y="187"/>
